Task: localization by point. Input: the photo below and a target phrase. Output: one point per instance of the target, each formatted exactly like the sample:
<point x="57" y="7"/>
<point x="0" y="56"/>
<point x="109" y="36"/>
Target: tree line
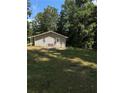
<point x="77" y="20"/>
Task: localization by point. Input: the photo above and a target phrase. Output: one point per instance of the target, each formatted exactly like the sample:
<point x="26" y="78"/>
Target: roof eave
<point x="49" y="32"/>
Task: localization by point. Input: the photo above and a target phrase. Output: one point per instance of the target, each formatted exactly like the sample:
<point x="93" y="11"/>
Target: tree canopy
<point x="28" y="8"/>
<point x="77" y="20"/>
<point x="46" y="20"/>
<point x="29" y="12"/>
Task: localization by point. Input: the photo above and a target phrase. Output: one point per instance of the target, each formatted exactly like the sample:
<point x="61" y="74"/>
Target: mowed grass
<point x="61" y="71"/>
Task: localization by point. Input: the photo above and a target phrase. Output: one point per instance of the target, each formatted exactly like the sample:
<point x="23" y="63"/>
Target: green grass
<point x="62" y="71"/>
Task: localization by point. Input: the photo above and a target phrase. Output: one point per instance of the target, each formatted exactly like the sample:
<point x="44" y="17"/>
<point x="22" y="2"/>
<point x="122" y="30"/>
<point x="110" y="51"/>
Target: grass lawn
<point x="61" y="71"/>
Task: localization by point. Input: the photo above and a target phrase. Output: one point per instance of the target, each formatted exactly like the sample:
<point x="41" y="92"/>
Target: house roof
<point x="49" y="32"/>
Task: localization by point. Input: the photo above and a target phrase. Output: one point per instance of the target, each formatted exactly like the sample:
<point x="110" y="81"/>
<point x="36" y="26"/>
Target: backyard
<point x="73" y="70"/>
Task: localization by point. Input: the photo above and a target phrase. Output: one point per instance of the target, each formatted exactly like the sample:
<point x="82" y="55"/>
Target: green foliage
<point x="29" y="29"/>
<point x="47" y="20"/>
<point x="78" y="21"/>
<point x="28" y="8"/>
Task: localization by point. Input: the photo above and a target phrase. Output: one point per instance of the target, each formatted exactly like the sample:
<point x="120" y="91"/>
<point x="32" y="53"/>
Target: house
<point x="50" y="39"/>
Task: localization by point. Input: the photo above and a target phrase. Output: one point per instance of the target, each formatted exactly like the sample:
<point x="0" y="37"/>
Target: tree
<point x="78" y="21"/>
<point x="28" y="8"/>
<point x="29" y="29"/>
<point x="47" y="20"/>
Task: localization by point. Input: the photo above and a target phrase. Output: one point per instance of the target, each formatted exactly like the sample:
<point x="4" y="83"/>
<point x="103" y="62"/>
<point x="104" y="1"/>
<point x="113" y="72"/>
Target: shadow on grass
<point x="50" y="71"/>
<point x="87" y="55"/>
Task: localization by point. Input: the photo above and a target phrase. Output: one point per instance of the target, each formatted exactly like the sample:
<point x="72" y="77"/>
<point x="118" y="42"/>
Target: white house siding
<point x="50" y="41"/>
<point x="40" y="42"/>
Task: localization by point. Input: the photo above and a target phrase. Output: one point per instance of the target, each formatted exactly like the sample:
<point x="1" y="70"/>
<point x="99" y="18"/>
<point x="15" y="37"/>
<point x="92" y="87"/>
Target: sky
<point x="39" y="5"/>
